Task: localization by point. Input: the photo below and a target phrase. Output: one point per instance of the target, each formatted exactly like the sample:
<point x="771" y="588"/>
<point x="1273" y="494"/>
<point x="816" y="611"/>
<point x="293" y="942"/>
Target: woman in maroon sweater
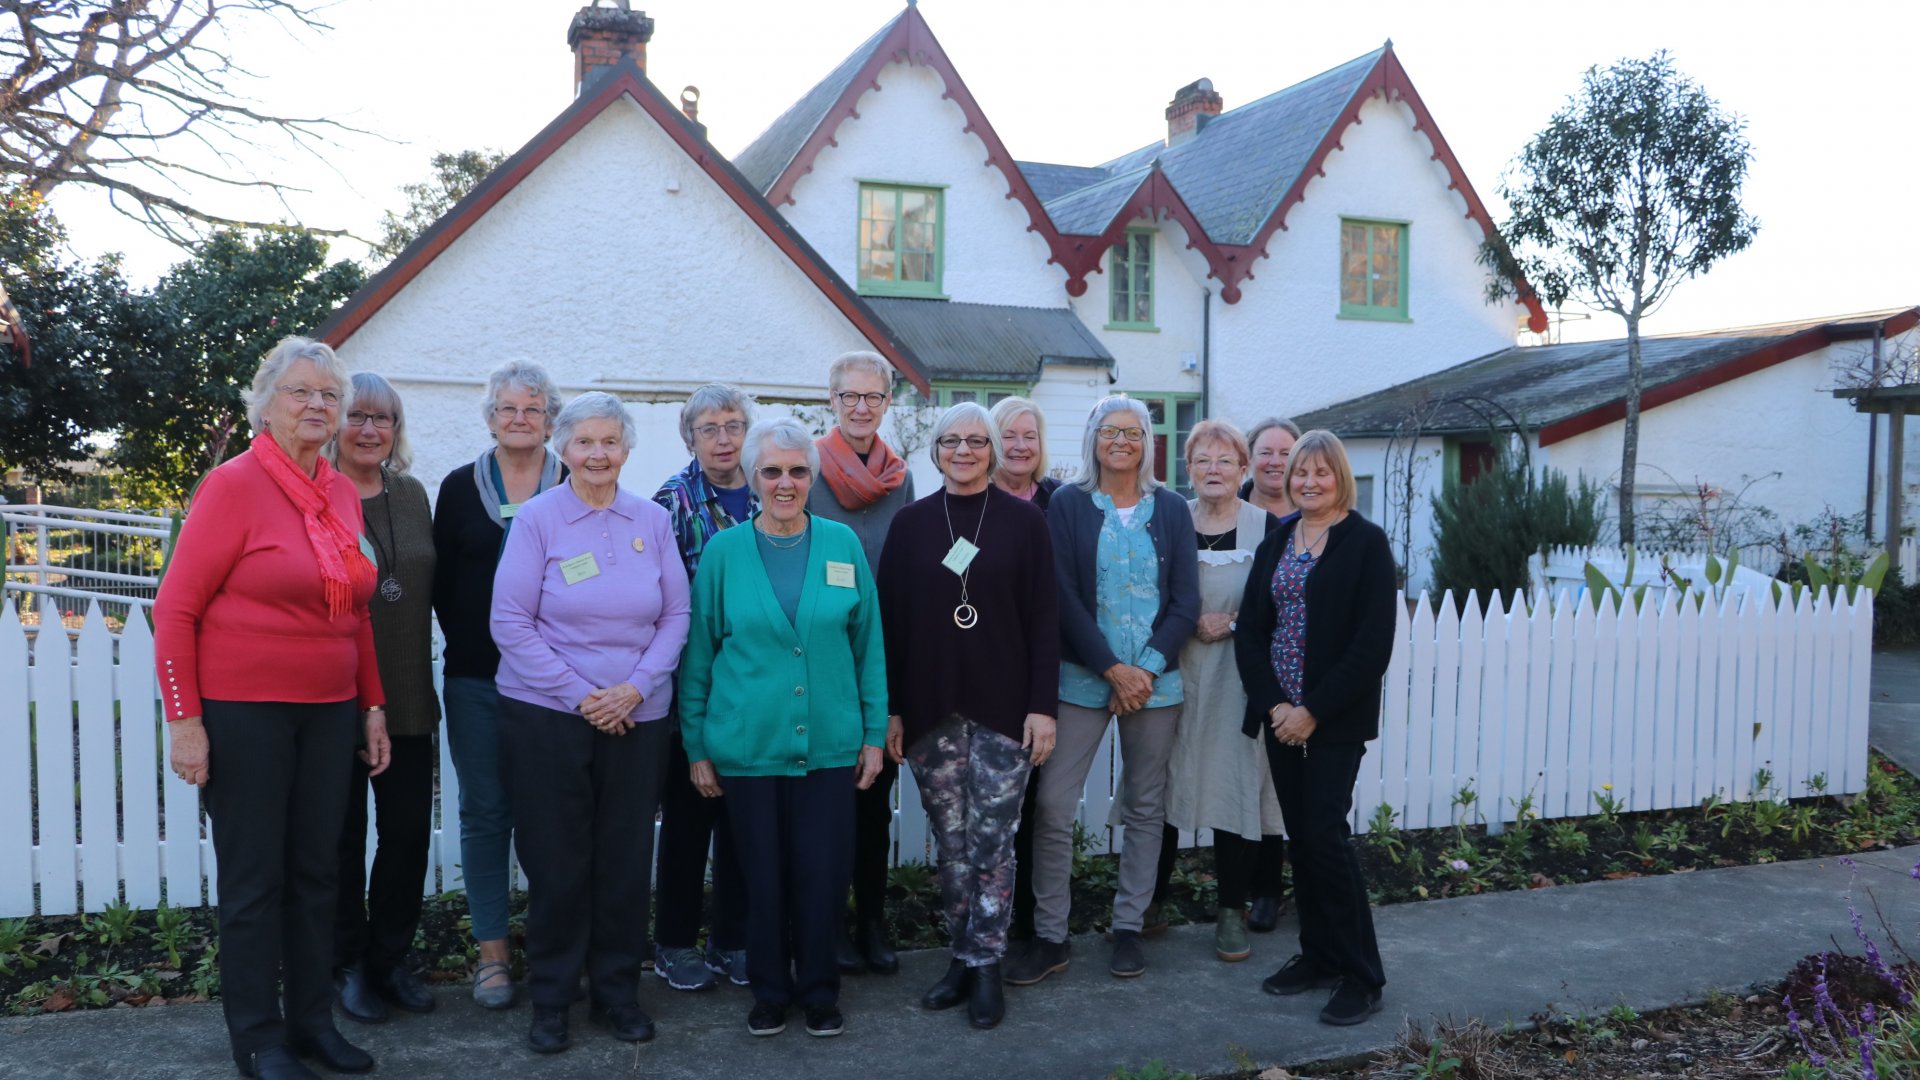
<point x="265" y="652"/>
<point x="970" y="611"/>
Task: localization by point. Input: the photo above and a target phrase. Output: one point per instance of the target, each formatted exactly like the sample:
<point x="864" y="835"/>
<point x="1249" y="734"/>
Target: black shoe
<point x="354" y="993"/>
<point x="1295" y="976"/>
<point x="1264" y="915"/>
<point x="1128" y="960"/>
<point x="766" y="1019"/>
<point x="951" y="990"/>
<point x="624" y="1022"/>
<point x="402" y="989"/>
<point x="987" y="1003"/>
<point x="1349" y="1004"/>
<point x="1042" y="959"/>
<point x="875" y="949"/>
<point x="548" y="1032"/>
<point x="334" y="1051"/>
<point x="825" y="1021"/>
<point x="846" y="957"/>
<point x="274" y="1063"/>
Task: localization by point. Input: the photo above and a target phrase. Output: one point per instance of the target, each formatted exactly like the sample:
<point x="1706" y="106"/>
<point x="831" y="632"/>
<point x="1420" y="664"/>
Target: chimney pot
<point x="601" y="35"/>
<point x="1192" y="106"/>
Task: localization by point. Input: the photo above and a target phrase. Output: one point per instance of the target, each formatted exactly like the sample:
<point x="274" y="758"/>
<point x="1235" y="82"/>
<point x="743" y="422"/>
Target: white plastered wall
<point x="1147" y="361"/>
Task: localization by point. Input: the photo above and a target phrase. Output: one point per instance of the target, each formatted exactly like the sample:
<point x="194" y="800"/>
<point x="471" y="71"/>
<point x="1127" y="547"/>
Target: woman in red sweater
<point x="265" y="653"/>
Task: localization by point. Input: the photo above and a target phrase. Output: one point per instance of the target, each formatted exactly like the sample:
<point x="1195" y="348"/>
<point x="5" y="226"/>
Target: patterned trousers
<point x="971" y="781"/>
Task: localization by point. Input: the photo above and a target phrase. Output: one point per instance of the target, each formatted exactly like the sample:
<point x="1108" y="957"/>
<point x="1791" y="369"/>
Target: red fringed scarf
<point x="859" y="484"/>
<point x="344" y="569"/>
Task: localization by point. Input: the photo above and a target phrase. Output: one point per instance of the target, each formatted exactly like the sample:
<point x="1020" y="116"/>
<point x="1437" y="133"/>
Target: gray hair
<point x="1089" y="478"/>
<point x="858" y="360"/>
<point x="371" y="390"/>
<point x="784" y="432"/>
<point x="522" y="375"/>
<point x="274" y="365"/>
<point x="713" y="397"/>
<point x="1264" y="426"/>
<point x="594" y="405"/>
<point x="1008" y="411"/>
<point x="965" y="410"/>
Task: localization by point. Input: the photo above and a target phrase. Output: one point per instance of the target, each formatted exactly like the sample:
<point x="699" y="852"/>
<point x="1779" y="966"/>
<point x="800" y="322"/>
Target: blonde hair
<point x="370" y="389"/>
<point x="1007" y="411"/>
<point x="858" y="360"/>
<point x="1219" y="431"/>
<point x="1328" y="447"/>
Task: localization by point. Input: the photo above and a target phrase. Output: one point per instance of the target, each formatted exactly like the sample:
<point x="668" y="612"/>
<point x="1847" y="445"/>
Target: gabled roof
<point x="622" y="80"/>
<point x="991" y="341"/>
<point x="1567" y="390"/>
<point x="1232" y="183"/>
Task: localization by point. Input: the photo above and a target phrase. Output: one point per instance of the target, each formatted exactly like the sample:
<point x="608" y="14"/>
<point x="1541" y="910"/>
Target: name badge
<point x="961" y="556"/>
<point x="840" y="574"/>
<point x="579" y="568"/>
<point x="367" y="550"/>
<point x="507" y="510"/>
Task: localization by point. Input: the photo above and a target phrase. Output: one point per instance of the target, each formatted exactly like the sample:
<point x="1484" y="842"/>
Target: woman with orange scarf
<point x="265" y="652"/>
<point x="866" y="485"/>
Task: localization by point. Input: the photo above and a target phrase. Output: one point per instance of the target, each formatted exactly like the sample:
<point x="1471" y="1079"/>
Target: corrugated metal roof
<point x="767" y="157"/>
<point x="955" y="340"/>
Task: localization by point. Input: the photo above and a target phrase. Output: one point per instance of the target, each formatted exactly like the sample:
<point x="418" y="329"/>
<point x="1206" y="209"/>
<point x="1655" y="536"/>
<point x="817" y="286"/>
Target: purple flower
<point x="1460" y="865"/>
<point x="1867" y="1071"/>
<point x="1793" y="1025"/>
<point x="1915" y="872"/>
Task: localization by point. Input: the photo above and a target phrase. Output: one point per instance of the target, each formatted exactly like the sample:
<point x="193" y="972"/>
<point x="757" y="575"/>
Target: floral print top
<point x="1127" y="596"/>
<point x="1289" y="648"/>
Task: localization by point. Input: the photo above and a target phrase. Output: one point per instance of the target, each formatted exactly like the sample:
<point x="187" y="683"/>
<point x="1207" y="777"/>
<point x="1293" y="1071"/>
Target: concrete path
<point x="1648" y="942"/>
<point x="1893" y="720"/>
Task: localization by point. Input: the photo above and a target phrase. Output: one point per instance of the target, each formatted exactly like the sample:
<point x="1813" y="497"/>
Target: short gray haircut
<point x="1264" y="426"/>
<point x="1010" y="410"/>
<point x="965" y="410"/>
<point x="373" y="391"/>
<point x="594" y="405"/>
<point x="1089" y="478"/>
<point x="858" y="360"/>
<point x="783" y="432"/>
<point x="522" y="375"/>
<point x="274" y="365"/>
<point x="713" y="397"/>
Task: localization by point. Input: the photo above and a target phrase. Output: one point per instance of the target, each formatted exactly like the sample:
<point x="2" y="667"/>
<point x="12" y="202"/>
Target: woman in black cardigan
<point x="1312" y="642"/>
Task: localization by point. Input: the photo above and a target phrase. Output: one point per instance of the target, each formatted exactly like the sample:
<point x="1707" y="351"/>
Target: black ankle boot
<point x="357" y="996"/>
<point x="846" y="955"/>
<point x="273" y="1063"/>
<point x="986" y="1001"/>
<point x="952" y="988"/>
<point x="875" y="949"/>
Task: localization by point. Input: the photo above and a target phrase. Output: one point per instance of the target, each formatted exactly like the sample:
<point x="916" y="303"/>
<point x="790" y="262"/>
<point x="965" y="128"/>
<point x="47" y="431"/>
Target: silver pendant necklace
<point x="965" y="616"/>
<point x="389" y="588"/>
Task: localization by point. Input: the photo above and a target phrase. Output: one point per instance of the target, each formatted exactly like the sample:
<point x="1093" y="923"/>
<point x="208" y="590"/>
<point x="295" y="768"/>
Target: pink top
<point x="241" y="614"/>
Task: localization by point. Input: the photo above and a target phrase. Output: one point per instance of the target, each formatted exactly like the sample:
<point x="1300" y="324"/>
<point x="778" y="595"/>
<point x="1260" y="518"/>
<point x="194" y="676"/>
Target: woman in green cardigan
<point x="783" y="701"/>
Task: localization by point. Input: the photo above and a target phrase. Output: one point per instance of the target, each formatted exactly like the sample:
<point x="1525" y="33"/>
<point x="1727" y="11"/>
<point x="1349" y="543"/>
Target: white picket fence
<point x="1666" y="705"/>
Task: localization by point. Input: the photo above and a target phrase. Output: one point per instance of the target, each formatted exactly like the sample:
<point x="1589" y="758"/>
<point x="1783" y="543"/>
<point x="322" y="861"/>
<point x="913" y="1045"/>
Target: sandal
<point x="492" y="995"/>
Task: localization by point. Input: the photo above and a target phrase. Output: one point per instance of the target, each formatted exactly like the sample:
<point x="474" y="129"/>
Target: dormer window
<point x="1130" y="282"/>
<point x="1373" y="269"/>
<point x="901" y="234"/>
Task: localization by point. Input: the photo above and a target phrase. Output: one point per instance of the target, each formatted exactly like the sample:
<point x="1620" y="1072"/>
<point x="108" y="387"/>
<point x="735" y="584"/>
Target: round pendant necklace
<point x="965" y="616"/>
<point x="390" y="585"/>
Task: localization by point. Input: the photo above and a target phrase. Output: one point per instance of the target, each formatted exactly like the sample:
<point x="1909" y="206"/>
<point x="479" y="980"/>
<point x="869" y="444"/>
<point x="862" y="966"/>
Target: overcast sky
<point x="1828" y="92"/>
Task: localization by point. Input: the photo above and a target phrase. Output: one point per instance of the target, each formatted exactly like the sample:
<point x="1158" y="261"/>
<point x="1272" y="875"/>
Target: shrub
<point x="1484" y="531"/>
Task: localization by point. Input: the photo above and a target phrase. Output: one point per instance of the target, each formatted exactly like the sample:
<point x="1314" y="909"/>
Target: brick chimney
<point x="1192" y="106"/>
<point x="601" y="35"/>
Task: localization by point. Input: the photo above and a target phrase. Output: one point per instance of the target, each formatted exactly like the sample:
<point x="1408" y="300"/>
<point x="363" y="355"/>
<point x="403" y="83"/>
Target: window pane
<point x="879" y="265"/>
<point x="1143" y="248"/>
<point x="1160" y="458"/>
<point x="1142" y="307"/>
<point x="958" y="397"/>
<point x="916" y="266"/>
<point x="1120" y="292"/>
<point x="1185" y="414"/>
<point x="995" y="397"/>
<point x="1157" y="411"/>
<point x="1363" y="495"/>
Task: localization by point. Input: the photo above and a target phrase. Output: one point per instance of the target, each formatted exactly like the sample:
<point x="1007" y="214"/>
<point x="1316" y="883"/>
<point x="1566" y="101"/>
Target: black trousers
<point x="583" y="808"/>
<point x="378" y="912"/>
<point x="873" y="844"/>
<point x="1242" y="869"/>
<point x="277" y="796"/>
<point x="1316" y="794"/>
<point x="690" y="823"/>
<point x="793" y="835"/>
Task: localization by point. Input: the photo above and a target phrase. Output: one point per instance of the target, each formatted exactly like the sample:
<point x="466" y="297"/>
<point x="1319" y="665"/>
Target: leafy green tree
<point x="1633" y="187"/>
<point x="221" y="311"/>
<point x="454" y="175"/>
<point x="87" y="331"/>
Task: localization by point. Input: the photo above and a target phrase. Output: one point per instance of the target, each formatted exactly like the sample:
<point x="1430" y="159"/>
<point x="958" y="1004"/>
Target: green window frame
<point x="901" y="246"/>
<point x="1130" y="282"/>
<point x="1174" y="416"/>
<point x="1373" y="269"/>
<point x="947" y="394"/>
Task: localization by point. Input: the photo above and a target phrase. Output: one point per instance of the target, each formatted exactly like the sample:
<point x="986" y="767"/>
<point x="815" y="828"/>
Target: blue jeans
<point x="486" y="811"/>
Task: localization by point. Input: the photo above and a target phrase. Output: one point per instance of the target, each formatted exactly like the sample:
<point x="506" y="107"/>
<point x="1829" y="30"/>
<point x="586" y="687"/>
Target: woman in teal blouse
<point x="783" y="702"/>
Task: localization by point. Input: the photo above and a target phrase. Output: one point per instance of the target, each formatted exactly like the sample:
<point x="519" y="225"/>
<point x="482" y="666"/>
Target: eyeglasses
<point x="974" y="442"/>
<point x="771" y="473"/>
<point x="302" y="394"/>
<point x="1205" y="463"/>
<point x="848" y="399"/>
<point x="380" y="420"/>
<point x="508" y="412"/>
<point x="1108" y="431"/>
<point x="709" y="432"/>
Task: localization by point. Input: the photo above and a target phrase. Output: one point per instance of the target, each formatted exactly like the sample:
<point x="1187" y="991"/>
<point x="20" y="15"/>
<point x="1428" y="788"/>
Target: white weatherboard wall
<point x="594" y="267"/>
<point x="1284" y="349"/>
<point x="907" y="134"/>
<point x="1066" y="395"/>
